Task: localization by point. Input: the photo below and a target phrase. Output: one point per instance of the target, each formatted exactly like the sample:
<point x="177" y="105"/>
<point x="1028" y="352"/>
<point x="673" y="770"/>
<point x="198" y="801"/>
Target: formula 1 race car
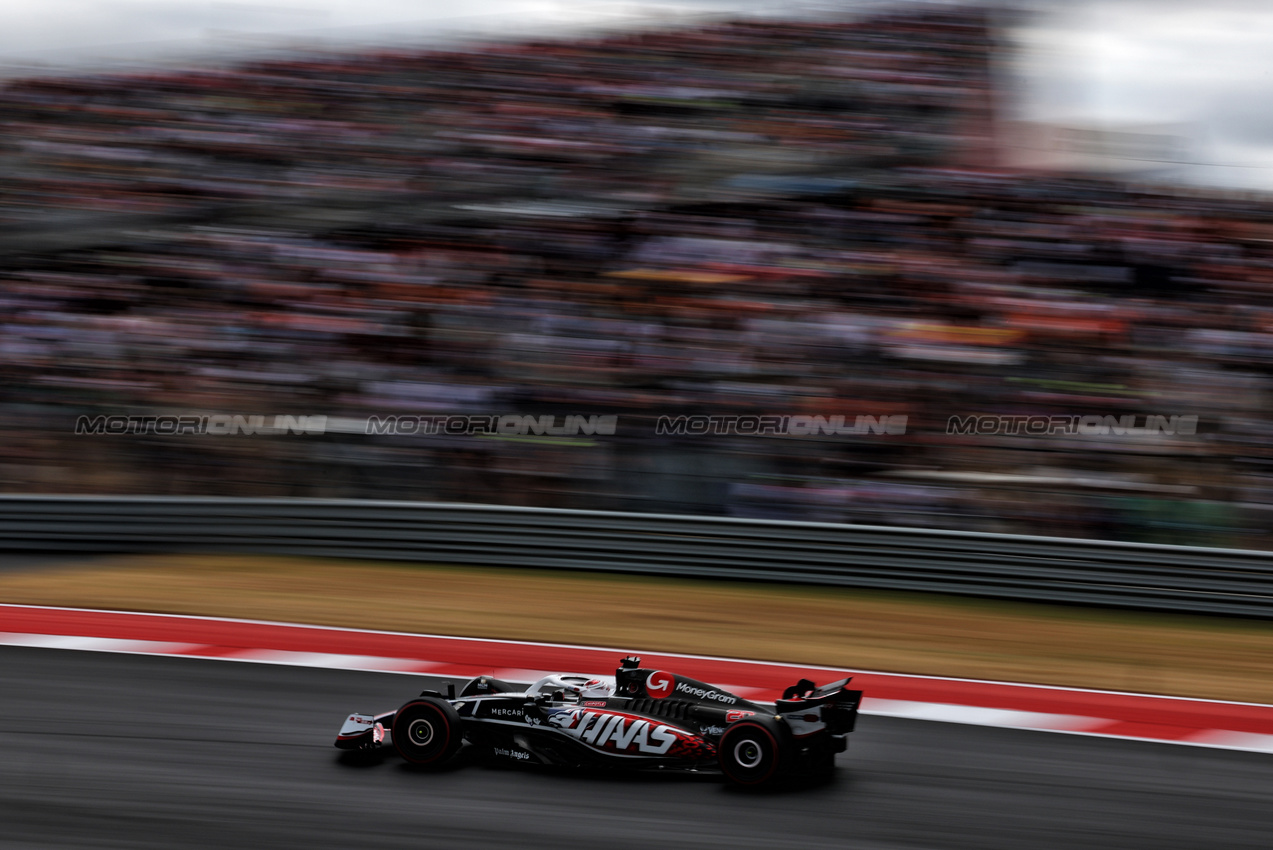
<point x="639" y="719"/>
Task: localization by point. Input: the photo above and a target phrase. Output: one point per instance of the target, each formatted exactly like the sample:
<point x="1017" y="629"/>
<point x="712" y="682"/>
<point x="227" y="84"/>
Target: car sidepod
<point x="623" y="735"/>
<point x="589" y="733"/>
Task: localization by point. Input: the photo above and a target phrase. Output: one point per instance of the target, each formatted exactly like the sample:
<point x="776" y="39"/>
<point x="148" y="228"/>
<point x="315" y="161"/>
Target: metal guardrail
<point x="1042" y="569"/>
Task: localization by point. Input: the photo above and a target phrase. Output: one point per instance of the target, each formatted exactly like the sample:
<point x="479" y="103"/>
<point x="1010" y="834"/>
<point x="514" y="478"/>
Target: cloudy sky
<point x="77" y="30"/>
<point x="1203" y="68"/>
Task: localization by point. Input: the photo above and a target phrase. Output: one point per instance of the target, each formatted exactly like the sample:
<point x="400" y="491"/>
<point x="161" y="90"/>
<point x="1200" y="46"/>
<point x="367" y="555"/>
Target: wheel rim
<point x="748" y="754"/>
<point x="420" y="732"/>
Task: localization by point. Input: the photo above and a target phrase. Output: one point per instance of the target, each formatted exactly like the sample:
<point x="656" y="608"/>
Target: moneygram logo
<point x="705" y="693"/>
<point x="659" y="684"/>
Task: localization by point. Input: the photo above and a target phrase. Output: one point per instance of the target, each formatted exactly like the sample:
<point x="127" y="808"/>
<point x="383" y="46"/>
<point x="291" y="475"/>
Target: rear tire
<point x="426" y="731"/>
<point x="751" y="752"/>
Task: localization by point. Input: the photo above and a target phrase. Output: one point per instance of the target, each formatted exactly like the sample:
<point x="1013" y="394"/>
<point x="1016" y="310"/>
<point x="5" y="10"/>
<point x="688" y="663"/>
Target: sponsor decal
<point x="594" y="703"/>
<point x="621" y="733"/>
<point x="659" y="684"/>
<point x="705" y="693"/>
<point x="512" y="754"/>
<point x="362" y="721"/>
<point x="495" y="711"/>
<point x="713" y="730"/>
<point x="735" y="715"/>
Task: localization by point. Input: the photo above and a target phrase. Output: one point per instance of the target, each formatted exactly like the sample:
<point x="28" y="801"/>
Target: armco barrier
<point x="1177" y="578"/>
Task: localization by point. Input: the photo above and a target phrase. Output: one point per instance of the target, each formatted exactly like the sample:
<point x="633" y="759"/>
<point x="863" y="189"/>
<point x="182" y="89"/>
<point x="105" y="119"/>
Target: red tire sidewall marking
<point x="440" y="724"/>
<point x="773" y="742"/>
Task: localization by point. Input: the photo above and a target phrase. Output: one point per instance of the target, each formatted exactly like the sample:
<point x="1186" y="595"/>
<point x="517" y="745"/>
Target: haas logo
<point x="619" y="732"/>
<point x="659" y="684"/>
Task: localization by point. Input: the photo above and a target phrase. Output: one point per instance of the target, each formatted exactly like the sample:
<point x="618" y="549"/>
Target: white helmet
<point x="586" y="687"/>
<point x="599" y="688"/>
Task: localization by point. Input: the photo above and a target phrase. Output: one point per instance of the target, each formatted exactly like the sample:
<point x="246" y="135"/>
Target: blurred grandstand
<point x="743" y="218"/>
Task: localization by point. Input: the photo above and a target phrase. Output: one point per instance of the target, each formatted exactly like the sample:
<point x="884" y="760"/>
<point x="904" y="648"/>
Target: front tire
<point x="751" y="752"/>
<point x="426" y="731"/>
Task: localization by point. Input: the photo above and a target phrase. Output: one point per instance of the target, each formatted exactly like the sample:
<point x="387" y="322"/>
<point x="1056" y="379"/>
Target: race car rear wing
<point x="836" y="704"/>
<point x="806" y="689"/>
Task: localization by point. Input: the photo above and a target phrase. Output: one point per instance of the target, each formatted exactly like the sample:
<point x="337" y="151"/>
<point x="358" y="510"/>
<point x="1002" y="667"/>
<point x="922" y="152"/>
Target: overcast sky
<point x="1207" y="67"/>
<point x="1204" y="67"/>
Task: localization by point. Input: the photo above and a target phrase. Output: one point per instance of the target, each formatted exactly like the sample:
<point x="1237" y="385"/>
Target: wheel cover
<point x="420" y="732"/>
<point x="748" y="754"/>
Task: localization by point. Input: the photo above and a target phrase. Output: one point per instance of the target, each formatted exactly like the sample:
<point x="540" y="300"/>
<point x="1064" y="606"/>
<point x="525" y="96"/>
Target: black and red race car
<point x="639" y="719"/>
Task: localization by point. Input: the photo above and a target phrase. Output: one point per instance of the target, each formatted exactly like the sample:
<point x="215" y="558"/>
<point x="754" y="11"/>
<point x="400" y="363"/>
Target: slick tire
<point x="753" y="752"/>
<point x="426" y="731"/>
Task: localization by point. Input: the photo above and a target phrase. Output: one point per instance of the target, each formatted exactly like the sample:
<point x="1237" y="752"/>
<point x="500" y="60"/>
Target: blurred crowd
<point x="744" y="219"/>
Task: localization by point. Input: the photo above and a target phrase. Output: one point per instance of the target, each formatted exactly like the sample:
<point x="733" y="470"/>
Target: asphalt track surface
<point x="122" y="751"/>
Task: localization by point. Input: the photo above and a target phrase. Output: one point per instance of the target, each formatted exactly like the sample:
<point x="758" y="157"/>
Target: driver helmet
<point x="598" y="689"/>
